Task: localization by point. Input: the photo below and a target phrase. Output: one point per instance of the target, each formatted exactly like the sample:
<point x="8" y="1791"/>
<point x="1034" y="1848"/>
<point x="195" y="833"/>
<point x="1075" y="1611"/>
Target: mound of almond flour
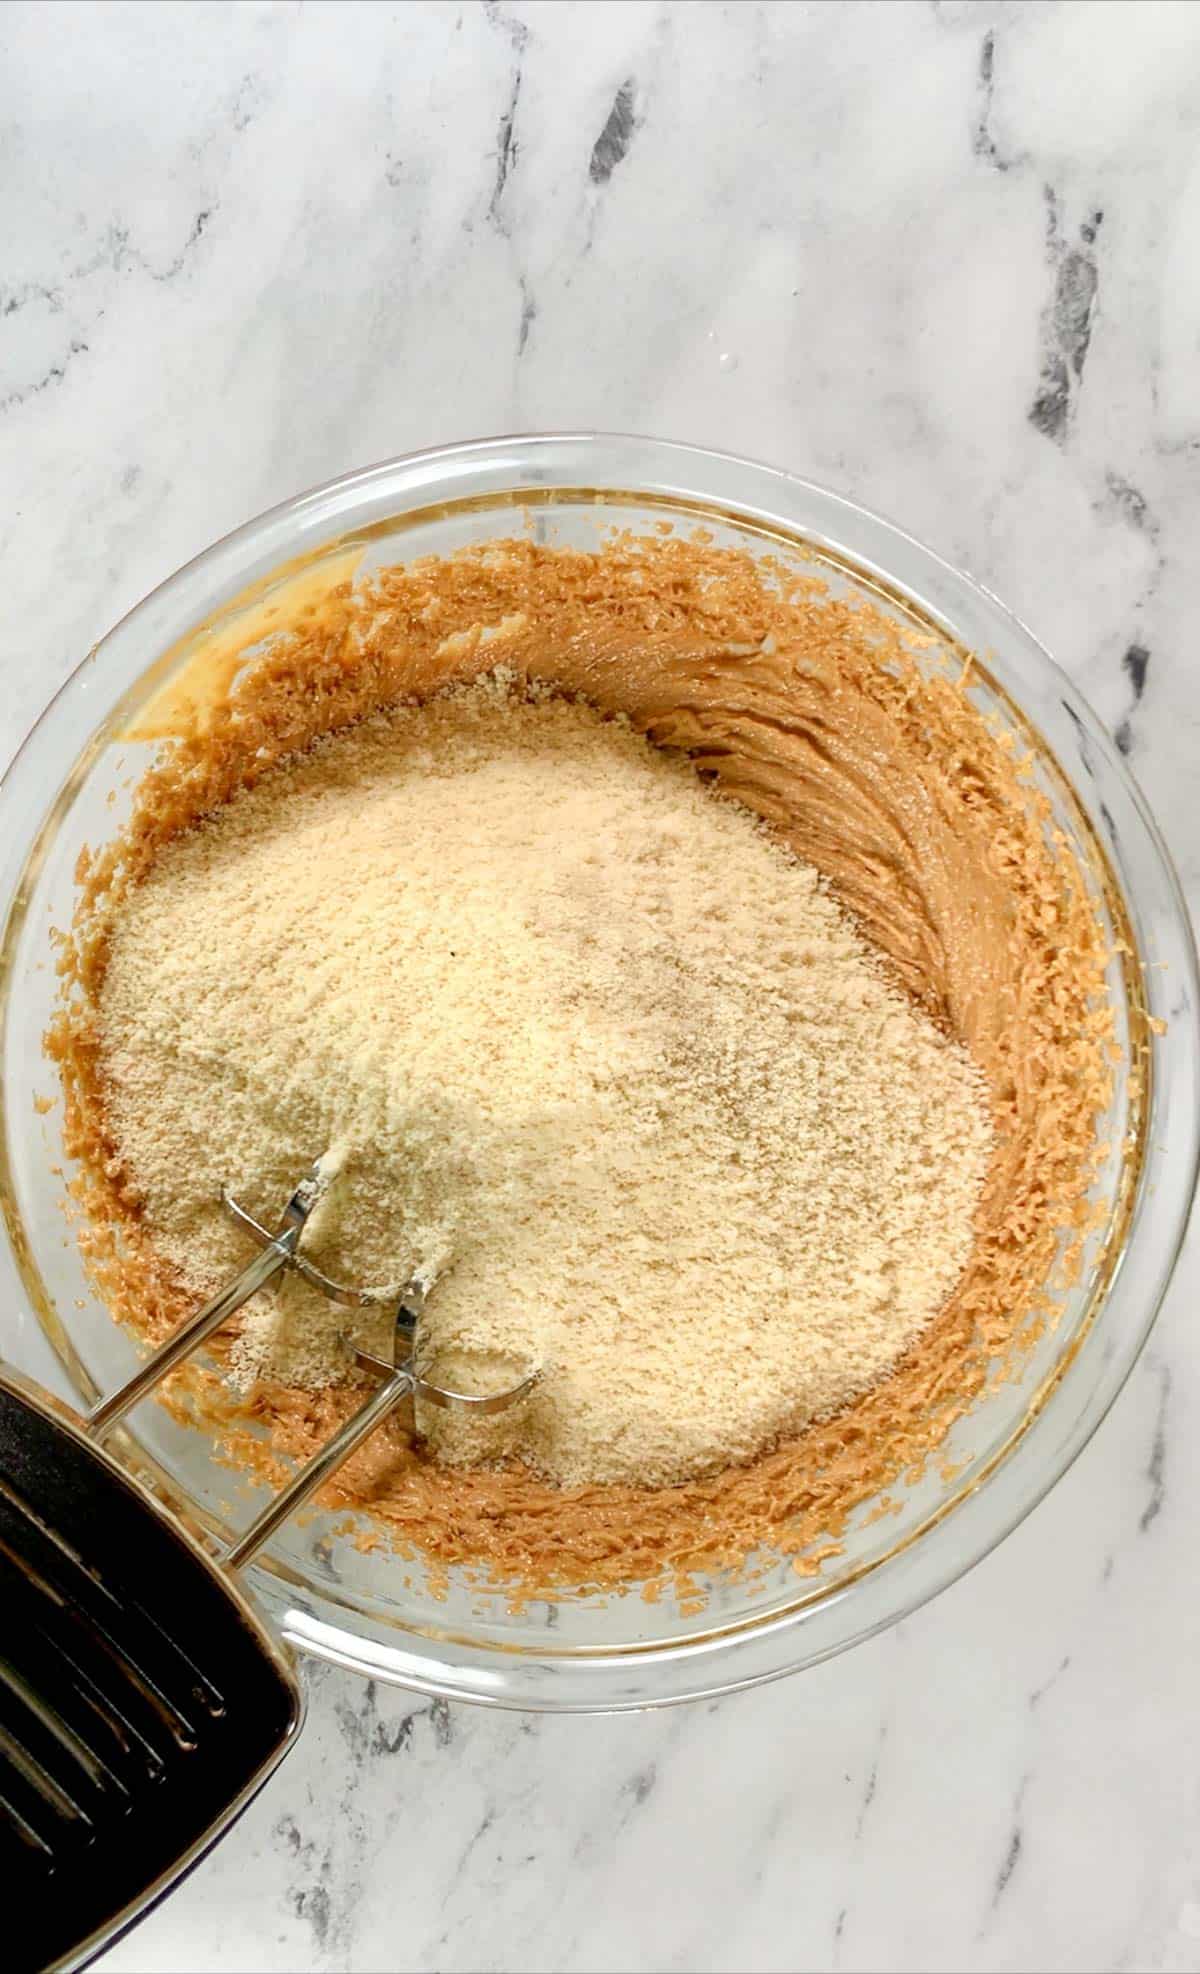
<point x="589" y="1044"/>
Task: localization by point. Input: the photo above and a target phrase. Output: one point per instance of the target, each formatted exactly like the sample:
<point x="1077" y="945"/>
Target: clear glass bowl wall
<point x="70" y="787"/>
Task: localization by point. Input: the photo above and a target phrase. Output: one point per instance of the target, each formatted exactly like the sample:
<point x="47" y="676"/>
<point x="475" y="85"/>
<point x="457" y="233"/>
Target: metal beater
<point x="279" y="1251"/>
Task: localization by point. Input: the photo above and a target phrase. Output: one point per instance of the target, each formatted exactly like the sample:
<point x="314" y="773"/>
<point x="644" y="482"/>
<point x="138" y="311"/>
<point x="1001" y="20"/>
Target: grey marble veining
<point x="942" y="256"/>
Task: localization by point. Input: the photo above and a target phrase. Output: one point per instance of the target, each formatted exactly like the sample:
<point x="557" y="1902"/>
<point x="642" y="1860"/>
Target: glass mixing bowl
<point x="69" y="787"/>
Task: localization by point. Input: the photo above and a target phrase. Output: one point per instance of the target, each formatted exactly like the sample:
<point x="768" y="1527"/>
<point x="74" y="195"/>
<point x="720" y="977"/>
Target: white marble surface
<point x="943" y="256"/>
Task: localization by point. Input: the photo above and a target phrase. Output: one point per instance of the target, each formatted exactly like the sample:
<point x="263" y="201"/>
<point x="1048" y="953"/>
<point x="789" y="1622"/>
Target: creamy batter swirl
<point x="865" y="753"/>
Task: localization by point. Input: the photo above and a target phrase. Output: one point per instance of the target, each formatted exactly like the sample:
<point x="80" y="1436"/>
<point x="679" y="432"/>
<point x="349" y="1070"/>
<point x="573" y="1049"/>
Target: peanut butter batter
<point x="867" y="757"/>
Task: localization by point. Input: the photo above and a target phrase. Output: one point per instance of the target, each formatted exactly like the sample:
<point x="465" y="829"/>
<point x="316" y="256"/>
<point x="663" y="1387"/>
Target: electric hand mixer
<point x="143" y="1700"/>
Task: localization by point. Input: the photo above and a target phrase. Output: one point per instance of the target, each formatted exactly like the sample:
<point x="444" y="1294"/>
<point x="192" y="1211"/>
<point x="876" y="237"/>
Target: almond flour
<point x="590" y="1046"/>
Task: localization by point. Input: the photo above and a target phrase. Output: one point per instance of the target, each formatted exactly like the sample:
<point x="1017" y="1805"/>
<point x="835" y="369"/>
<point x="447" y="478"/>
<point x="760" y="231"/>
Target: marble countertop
<point x="944" y="257"/>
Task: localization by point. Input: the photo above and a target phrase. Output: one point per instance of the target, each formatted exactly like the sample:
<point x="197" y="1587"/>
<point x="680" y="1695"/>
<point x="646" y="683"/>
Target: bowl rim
<point x="765" y="1647"/>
